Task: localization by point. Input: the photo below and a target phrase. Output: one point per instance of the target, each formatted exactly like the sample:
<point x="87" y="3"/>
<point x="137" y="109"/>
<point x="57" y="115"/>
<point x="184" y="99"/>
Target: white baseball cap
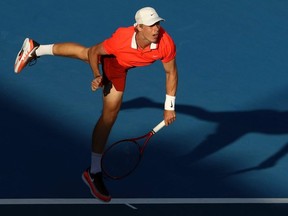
<point x="147" y="16"/>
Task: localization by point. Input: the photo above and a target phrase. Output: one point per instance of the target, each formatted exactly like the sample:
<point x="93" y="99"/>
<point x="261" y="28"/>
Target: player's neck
<point x="142" y="42"/>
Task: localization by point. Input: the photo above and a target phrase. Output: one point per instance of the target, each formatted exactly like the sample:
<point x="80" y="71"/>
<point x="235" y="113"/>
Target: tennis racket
<point x="122" y="157"/>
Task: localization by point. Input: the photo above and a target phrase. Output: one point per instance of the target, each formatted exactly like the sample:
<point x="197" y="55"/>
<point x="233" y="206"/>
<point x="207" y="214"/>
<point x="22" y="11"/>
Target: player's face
<point x="151" y="33"/>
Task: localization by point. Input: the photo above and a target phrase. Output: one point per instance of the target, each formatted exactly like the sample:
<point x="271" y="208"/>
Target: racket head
<point x="121" y="159"/>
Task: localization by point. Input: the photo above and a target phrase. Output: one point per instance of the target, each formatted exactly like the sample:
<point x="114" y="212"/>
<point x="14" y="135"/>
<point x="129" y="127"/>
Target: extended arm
<point x="171" y="88"/>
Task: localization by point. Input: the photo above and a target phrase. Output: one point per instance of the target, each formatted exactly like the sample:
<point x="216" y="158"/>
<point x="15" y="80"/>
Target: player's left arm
<point x="171" y="88"/>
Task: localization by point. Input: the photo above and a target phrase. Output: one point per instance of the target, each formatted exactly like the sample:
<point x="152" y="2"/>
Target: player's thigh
<point x="112" y="102"/>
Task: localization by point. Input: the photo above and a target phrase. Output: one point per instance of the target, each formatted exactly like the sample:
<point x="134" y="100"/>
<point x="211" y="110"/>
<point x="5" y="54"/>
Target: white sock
<point x="95" y="163"/>
<point x="45" y="50"/>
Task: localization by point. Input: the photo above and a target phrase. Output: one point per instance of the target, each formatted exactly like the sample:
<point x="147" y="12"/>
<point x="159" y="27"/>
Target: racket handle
<point x="158" y="127"/>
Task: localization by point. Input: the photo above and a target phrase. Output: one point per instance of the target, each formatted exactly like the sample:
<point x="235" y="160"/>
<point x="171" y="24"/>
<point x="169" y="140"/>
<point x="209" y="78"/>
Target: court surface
<point x="225" y="154"/>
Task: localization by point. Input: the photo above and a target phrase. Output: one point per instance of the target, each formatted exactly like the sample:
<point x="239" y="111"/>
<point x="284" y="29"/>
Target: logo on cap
<point x="147" y="16"/>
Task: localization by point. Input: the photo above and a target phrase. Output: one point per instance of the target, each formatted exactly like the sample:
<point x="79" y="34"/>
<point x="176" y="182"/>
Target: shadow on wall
<point x="232" y="125"/>
<point x="32" y="146"/>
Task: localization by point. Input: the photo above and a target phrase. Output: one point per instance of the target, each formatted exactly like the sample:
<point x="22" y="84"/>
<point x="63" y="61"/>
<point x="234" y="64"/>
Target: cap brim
<point x="153" y="21"/>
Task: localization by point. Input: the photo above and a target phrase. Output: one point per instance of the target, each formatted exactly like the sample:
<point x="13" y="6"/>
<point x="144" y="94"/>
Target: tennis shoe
<point x="26" y="54"/>
<point x="96" y="185"/>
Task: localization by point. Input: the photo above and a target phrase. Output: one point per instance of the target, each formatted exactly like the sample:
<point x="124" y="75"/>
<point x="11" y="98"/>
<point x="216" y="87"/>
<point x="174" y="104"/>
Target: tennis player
<point x="128" y="47"/>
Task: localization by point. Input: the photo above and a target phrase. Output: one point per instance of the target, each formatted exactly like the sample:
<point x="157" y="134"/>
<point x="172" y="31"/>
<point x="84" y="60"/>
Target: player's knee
<point x="84" y="54"/>
<point x="109" y="120"/>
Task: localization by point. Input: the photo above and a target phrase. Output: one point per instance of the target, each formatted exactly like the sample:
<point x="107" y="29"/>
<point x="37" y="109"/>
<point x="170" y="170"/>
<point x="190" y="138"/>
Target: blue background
<point x="230" y="138"/>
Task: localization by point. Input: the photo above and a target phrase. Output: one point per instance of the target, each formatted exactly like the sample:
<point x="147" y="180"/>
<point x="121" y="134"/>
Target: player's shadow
<point x="231" y="125"/>
<point x="268" y="163"/>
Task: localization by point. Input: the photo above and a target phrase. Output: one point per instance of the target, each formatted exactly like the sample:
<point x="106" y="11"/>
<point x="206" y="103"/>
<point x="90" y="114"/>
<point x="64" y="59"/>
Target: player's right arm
<point x="94" y="54"/>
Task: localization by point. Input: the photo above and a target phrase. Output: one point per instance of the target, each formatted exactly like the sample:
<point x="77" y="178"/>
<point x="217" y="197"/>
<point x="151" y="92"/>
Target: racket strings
<point x="121" y="159"/>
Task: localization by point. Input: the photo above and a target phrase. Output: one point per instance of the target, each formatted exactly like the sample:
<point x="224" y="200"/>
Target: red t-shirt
<point x="123" y="45"/>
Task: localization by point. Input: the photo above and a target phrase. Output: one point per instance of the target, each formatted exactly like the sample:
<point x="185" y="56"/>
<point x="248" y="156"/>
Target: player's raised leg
<point x="31" y="50"/>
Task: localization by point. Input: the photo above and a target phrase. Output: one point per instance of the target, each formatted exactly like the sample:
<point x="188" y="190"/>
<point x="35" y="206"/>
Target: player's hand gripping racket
<point x="122" y="157"/>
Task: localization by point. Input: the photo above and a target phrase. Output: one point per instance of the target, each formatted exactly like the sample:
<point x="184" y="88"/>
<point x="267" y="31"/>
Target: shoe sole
<point x="18" y="67"/>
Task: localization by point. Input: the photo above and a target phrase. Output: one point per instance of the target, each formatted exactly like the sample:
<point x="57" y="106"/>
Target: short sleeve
<point x="168" y="48"/>
<point x="111" y="43"/>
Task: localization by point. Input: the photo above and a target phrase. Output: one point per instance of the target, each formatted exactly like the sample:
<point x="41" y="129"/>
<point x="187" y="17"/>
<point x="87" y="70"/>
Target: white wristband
<point x="169" y="102"/>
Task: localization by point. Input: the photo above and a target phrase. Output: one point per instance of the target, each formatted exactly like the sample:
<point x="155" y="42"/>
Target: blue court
<point x="230" y="139"/>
